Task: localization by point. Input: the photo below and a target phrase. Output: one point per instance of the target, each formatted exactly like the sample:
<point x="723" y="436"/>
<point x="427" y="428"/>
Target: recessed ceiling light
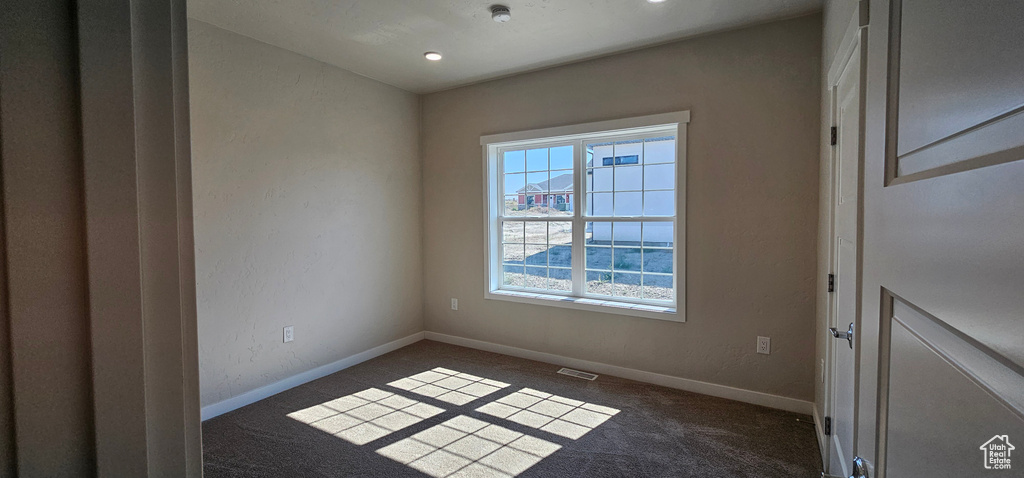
<point x="432" y="55"/>
<point x="655" y="1"/>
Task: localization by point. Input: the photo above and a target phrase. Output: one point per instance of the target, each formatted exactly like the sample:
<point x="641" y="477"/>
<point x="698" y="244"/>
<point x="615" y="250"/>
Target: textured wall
<point x="752" y="205"/>
<point x="307" y="191"/>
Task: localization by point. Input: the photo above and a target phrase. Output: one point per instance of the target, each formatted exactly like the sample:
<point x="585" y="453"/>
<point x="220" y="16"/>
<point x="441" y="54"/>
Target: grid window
<point x="538" y="182"/>
<point x="590" y="216"/>
<point x="630" y="259"/>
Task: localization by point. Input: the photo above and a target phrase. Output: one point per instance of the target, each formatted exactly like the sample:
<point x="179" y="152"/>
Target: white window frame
<point x="650" y="126"/>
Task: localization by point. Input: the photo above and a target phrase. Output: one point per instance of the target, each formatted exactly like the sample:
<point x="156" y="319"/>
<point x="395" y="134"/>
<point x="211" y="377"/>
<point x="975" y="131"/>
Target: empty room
<point x="551" y="238"/>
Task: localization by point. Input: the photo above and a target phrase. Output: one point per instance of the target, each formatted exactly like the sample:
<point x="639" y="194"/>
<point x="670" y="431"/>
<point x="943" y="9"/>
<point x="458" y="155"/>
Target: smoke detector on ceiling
<point x="501" y="13"/>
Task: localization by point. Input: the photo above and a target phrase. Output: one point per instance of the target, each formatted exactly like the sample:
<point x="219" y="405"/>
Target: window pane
<point x="537" y="182"/>
<point x="537" y="232"/>
<point x="626" y="233"/>
<point x="658" y="260"/>
<point x="512" y="231"/>
<point x="599" y="258"/>
<point x="629" y="178"/>
<point x="561" y="180"/>
<point x="537" y="160"/>
<point x="561" y="157"/>
<point x="629" y="152"/>
<point x="513" y="276"/>
<point x="658" y="203"/>
<point x="560" y="198"/>
<point x="629" y="204"/>
<point x="598" y="233"/>
<point x="599" y="282"/>
<point x="513" y="254"/>
<point x="539" y="191"/>
<point x="658" y="287"/>
<point x="560" y="279"/>
<point x="602" y="179"/>
<point x="515" y="184"/>
<point x="627" y="259"/>
<point x="598" y="154"/>
<point x="599" y="204"/>
<point x="560" y="232"/>
<point x="627" y="285"/>
<point x="560" y="244"/>
<point x="537" y="277"/>
<point x="515" y="162"/>
<point x="536" y="255"/>
<point x="514" y="205"/>
<point x="536" y="245"/>
<point x="657" y="243"/>
<point x="660" y="150"/>
<point x="660" y="176"/>
<point x="658" y="234"/>
<point x="597" y="238"/>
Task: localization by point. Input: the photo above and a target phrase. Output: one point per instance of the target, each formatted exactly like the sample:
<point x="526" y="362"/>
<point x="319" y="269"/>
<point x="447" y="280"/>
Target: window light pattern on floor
<point x="463" y="446"/>
<point x="449" y="386"/>
<point x="467" y="447"/>
<point x="365" y="416"/>
<point x="559" y="415"/>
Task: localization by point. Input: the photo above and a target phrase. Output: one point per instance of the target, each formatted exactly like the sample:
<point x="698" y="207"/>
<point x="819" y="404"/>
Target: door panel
<point x="841" y="454"/>
<point x="944" y="236"/>
<point x="945" y="400"/>
<point x="960" y="66"/>
<point x="960" y="96"/>
<point x="958" y="236"/>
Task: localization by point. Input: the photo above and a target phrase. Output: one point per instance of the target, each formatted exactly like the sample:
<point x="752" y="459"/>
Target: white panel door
<point x="845" y="267"/>
<point x="941" y="360"/>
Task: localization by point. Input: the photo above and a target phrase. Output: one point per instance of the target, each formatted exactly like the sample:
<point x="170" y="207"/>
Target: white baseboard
<point x="696" y="386"/>
<point x="732" y="393"/>
<point x="239" y="401"/>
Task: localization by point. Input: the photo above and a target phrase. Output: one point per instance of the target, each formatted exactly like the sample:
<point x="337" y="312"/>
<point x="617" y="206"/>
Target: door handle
<point x="860" y="468"/>
<point x="848" y="335"/>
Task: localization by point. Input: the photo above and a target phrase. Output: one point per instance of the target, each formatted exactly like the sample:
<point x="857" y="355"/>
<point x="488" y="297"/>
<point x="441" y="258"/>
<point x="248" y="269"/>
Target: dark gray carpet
<point x="657" y="431"/>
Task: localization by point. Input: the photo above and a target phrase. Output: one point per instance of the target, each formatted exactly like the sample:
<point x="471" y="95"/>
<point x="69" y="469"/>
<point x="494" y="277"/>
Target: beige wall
<point x="752" y="205"/>
<point x="836" y="19"/>
<point x="307" y="192"/>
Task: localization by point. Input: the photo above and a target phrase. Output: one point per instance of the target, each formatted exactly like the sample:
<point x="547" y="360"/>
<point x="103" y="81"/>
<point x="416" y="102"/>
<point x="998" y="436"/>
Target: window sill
<point x="592" y="305"/>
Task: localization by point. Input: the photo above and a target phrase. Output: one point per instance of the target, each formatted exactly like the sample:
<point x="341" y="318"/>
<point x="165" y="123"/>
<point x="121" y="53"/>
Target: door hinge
<point x="835" y="136"/>
<point x="831" y="282"/>
<point x="828" y="426"/>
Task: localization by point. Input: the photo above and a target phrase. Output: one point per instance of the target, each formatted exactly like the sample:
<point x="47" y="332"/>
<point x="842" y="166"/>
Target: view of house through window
<point x="622" y="226"/>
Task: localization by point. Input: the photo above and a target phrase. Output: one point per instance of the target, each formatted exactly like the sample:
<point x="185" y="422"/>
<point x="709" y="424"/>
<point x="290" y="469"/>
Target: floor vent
<point x="576" y="373"/>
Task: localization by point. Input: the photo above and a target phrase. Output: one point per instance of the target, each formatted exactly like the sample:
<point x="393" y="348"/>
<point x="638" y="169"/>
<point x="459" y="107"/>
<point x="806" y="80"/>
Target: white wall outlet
<point x="455" y="304"/>
<point x="764" y="345"/>
<point x="289" y="333"/>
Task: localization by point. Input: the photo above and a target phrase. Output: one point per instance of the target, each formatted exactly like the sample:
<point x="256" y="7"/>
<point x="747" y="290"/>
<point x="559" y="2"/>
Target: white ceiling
<point x="386" y="39"/>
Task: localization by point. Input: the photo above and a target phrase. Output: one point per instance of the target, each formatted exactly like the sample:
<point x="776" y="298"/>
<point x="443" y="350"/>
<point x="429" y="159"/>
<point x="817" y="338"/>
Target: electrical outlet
<point x="764" y="345"/>
<point x="455" y="304"/>
<point x="289" y="333"/>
